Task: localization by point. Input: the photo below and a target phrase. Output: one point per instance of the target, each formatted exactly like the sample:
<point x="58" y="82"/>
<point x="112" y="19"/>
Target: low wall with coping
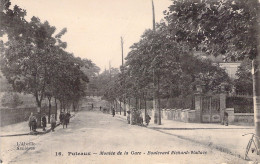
<point x="244" y="118"/>
<point x="187" y="115"/>
<point x="184" y="115"/>
<point x="240" y="118"/>
<point x="15" y="115"/>
<point x="10" y="116"/>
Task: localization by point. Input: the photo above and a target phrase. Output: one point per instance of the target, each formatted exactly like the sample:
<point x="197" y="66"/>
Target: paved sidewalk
<point x="19" y="128"/>
<point x="22" y="128"/>
<point x="227" y="139"/>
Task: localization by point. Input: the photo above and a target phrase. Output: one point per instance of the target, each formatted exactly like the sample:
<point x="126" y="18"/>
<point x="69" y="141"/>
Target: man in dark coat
<point x="30" y="121"/>
<point x="44" y="122"/>
<point x="147" y="119"/>
<point x="68" y="116"/>
<point x="53" y="122"/>
<point x="113" y="112"/>
<point x="226" y="118"/>
<point x="34" y="124"/>
<point x="66" y="119"/>
<point x="62" y="118"/>
<point x="128" y="117"/>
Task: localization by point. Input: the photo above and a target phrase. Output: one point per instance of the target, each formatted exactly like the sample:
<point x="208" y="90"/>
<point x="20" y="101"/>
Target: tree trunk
<point x="120" y="108"/>
<point x="110" y="109"/>
<point x="131" y="112"/>
<point x="140" y="105"/>
<point x="136" y="103"/>
<point x="154" y="99"/>
<point x="64" y="106"/>
<point x="256" y="80"/>
<point x="129" y="101"/>
<point x="116" y="106"/>
<point x="158" y="97"/>
<point x="49" y="114"/>
<point x="256" y="97"/>
<point x="73" y="106"/>
<point x="38" y="115"/>
<point x="145" y="110"/>
<point x="60" y="105"/>
<point x="125" y="107"/>
<point x="56" y="108"/>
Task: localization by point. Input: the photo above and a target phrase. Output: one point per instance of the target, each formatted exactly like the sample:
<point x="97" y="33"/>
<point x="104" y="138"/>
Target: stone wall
<point x="244" y="118"/>
<point x="185" y="115"/>
<point x="10" y="116"/>
<point x="239" y="118"/>
<point x="231" y="115"/>
<point x="15" y="115"/>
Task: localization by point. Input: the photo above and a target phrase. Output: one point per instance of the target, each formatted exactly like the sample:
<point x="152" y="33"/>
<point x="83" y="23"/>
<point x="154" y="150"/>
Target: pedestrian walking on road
<point x="113" y="112"/>
<point x="34" y="124"/>
<point x="147" y="119"/>
<point x="128" y="117"/>
<point x="100" y="108"/>
<point x="140" y="120"/>
<point x="44" y="122"/>
<point x="53" y="122"/>
<point x="30" y="121"/>
<point x="69" y="115"/>
<point x="226" y="118"/>
<point x="62" y="119"/>
<point x="66" y="119"/>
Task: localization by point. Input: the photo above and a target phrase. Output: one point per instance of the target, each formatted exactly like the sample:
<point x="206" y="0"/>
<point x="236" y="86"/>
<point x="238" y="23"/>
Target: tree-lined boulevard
<point x="94" y="137"/>
<point x="175" y="65"/>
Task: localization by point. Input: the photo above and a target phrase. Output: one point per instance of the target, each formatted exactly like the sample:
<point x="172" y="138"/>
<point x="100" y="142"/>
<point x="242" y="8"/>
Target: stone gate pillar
<point x="222" y="103"/>
<point x="198" y="104"/>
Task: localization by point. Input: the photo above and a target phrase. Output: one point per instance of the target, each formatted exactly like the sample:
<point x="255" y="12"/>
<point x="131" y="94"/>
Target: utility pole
<point x="153" y="16"/>
<point x="256" y="77"/>
<point x="122" y="48"/>
<point x="110" y="81"/>
<point x="120" y="108"/>
<point x="156" y="107"/>
<point x="109" y="70"/>
<point x="154" y="91"/>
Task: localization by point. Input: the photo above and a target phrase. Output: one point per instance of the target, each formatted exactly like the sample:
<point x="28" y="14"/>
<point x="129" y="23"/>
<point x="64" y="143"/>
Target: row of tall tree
<point x="34" y="60"/>
<point x="165" y="62"/>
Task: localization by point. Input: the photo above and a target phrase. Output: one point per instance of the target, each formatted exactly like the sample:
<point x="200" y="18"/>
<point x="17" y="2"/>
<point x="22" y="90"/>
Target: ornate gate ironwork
<point x="210" y="106"/>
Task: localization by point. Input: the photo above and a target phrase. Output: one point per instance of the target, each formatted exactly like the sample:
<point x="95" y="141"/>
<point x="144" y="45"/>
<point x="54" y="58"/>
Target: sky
<point x="95" y="26"/>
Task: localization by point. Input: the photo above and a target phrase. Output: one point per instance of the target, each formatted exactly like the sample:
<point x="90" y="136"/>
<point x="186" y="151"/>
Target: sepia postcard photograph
<point x="129" y="81"/>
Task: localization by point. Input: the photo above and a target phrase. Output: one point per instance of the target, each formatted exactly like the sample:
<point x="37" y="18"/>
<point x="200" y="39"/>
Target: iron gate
<point x="210" y="106"/>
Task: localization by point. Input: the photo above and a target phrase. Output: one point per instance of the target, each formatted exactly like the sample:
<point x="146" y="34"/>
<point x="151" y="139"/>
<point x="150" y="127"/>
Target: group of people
<point x="65" y="118"/>
<point x="137" y="117"/>
<point x="32" y="123"/>
<point x="52" y="121"/>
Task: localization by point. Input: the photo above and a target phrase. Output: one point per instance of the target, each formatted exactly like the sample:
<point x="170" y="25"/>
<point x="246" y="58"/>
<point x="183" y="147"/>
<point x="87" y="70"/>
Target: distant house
<point x="230" y="67"/>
